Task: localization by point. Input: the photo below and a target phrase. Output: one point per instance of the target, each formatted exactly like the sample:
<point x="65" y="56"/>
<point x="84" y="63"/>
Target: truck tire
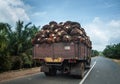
<point x="78" y="70"/>
<point x="52" y="72"/>
<point x="82" y="69"/>
<point x="47" y="73"/>
<point x="89" y="62"/>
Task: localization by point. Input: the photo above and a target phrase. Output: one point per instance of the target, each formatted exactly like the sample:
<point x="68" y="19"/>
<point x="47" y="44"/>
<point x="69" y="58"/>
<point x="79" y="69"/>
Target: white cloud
<point x="97" y="20"/>
<point x="114" y="24"/>
<point x="103" y="33"/>
<point x="108" y="5"/>
<point x="12" y="10"/>
<point x="41" y="14"/>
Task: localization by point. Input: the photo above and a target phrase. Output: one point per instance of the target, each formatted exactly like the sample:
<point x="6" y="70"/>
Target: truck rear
<point x="70" y="57"/>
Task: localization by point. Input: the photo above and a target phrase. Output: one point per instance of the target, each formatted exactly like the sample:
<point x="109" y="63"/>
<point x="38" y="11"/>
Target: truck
<point x="70" y="57"/>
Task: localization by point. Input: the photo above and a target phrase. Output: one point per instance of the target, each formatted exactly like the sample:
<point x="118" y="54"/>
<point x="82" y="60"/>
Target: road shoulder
<point x="117" y="61"/>
<point x="18" y="73"/>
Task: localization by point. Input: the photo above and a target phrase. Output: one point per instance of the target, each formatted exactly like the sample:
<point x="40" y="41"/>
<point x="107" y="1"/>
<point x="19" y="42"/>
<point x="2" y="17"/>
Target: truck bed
<point x="60" y="50"/>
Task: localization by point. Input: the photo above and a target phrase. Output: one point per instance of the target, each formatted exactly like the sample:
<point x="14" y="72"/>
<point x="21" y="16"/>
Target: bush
<point x="16" y="62"/>
<point x="95" y="53"/>
<point x="112" y="51"/>
<point x="5" y="63"/>
<point x="27" y="60"/>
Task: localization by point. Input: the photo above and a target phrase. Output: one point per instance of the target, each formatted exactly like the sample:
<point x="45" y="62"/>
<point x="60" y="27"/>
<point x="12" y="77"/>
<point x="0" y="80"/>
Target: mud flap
<point x="48" y="70"/>
<point x="78" y="70"/>
<point x="44" y="69"/>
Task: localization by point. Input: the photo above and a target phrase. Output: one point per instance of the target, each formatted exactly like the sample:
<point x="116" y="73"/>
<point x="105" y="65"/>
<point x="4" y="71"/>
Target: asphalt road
<point x="104" y="72"/>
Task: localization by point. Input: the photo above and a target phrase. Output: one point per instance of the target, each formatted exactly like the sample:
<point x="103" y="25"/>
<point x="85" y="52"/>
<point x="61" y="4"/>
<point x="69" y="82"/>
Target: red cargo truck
<point x="67" y="57"/>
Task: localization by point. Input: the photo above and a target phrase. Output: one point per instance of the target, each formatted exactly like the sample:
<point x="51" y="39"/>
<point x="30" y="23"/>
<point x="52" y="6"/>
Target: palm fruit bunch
<point x="61" y="32"/>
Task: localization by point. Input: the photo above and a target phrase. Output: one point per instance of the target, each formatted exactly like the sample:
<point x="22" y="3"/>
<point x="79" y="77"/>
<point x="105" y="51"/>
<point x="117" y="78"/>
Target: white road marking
<point x="81" y="82"/>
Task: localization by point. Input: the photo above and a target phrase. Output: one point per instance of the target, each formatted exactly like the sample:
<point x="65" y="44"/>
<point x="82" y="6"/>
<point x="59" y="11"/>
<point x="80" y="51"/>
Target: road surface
<point x="104" y="72"/>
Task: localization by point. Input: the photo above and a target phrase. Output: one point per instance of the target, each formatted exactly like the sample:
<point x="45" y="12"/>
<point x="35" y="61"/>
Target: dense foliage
<point x="95" y="53"/>
<point x="15" y="45"/>
<point x="112" y="51"/>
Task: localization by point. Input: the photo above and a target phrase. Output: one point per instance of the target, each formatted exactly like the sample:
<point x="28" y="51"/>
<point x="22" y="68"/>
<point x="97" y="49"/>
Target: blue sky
<point x="79" y="10"/>
<point x="100" y="18"/>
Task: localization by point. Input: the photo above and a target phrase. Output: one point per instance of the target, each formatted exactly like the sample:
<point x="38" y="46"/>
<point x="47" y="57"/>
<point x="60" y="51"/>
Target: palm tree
<point x="21" y="41"/>
<point x="22" y="36"/>
<point x="5" y="31"/>
<point x="16" y="43"/>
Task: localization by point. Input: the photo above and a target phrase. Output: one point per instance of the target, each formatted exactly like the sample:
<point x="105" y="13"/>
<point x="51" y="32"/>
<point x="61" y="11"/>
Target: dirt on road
<point x="117" y="60"/>
<point x="18" y="73"/>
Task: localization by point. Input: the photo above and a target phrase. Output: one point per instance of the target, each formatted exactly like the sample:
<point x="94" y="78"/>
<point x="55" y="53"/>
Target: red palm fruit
<point x="56" y="30"/>
<point x="51" y="35"/>
<point x="49" y="40"/>
<point x="76" y="31"/>
<point x="45" y="27"/>
<point x="58" y="39"/>
<point x="76" y="24"/>
<point x="66" y="38"/>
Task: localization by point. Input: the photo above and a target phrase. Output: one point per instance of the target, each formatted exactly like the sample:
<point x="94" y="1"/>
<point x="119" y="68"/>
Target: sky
<point x="99" y="18"/>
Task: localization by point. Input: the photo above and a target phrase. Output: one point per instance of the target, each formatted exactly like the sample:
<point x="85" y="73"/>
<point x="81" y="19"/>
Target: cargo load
<point x="62" y="32"/>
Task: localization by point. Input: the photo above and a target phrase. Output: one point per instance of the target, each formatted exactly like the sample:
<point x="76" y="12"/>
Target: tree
<point x="95" y="53"/>
<point x="21" y="45"/>
<point x="16" y="46"/>
<point x="112" y="51"/>
<point x="22" y="36"/>
<point x="5" y="60"/>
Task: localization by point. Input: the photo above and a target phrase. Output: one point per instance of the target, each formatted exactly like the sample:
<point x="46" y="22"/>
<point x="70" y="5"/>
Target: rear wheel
<point x="87" y="64"/>
<point x="89" y="61"/>
<point x="52" y="72"/>
<point x="82" y="69"/>
<point x="47" y="73"/>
